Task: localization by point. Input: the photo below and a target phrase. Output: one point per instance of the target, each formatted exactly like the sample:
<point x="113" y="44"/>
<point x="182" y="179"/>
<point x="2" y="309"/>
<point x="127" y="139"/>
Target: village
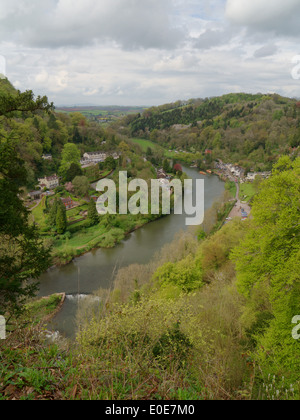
<point x="236" y="173"/>
<point x="48" y="184"/>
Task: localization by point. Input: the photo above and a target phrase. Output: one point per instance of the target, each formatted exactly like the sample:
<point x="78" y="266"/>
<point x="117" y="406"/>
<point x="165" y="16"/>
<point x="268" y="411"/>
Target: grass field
<point x="247" y="191"/>
<point x="144" y="144"/>
<point x="104" y="112"/>
<point x="37" y="215"/>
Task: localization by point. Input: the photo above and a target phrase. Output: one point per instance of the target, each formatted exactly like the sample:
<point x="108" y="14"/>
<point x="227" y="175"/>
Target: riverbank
<point x="107" y="240"/>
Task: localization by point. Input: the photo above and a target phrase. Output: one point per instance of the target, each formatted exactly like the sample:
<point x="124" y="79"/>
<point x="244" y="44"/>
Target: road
<point x="237" y="210"/>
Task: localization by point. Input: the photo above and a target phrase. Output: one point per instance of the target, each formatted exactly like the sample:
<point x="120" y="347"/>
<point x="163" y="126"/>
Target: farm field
<point x="102" y="112"/>
<point x="144" y="144"/>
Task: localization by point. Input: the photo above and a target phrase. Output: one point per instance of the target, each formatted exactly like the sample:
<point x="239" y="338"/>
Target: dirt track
<point x="237" y="210"/>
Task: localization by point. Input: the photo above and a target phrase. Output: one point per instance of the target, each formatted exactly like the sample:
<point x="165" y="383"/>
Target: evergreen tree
<point x="22" y="254"/>
<point x="166" y="166"/>
<point x="92" y="213"/>
<point x="53" y="213"/>
<point x="61" y="218"/>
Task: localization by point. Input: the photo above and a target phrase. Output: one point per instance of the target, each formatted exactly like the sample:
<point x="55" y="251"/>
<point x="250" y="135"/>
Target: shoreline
<point x="126" y="234"/>
<point x="62" y="263"/>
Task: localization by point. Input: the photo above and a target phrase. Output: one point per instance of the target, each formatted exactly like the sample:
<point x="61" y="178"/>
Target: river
<point x="96" y="269"/>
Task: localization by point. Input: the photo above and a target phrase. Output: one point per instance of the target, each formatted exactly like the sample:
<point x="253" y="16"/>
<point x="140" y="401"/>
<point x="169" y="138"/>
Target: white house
<point x="49" y="182"/>
<point x="95" y="157"/>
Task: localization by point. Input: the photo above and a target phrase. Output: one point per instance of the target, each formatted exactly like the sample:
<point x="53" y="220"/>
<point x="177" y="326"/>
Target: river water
<point x="96" y="269"/>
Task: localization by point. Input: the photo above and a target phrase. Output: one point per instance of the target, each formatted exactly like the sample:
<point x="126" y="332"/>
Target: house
<point x="86" y="163"/>
<point x="50" y="182"/>
<point x="35" y="195"/>
<point x="95" y="157"/>
<point x="161" y="174"/>
<point x="92" y="158"/>
<point x="47" y="157"/>
<point x="68" y="203"/>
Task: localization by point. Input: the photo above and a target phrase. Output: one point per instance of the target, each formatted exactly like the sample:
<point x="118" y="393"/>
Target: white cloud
<point x="281" y="17"/>
<point x="148" y="52"/>
<point x="50" y="23"/>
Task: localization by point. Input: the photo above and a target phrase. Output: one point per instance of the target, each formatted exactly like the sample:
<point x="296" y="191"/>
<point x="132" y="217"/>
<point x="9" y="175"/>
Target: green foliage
<point x="70" y="154"/>
<point x="251" y="130"/>
<point x="269" y="259"/>
<point x="53" y="213"/>
<point x="110" y="163"/>
<point x="73" y="171"/>
<point x="81" y="186"/>
<point x="61" y="218"/>
<point x="185" y="274"/>
<point x="22" y="255"/>
<point x="13" y="102"/>
<point x="92" y="212"/>
<point x="172" y="346"/>
<point x="30" y="370"/>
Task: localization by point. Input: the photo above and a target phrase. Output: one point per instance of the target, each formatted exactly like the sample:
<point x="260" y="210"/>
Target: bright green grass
<point x="144" y="144"/>
<point x="247" y="192"/>
<point x="80" y="239"/>
<point x="38" y="213"/>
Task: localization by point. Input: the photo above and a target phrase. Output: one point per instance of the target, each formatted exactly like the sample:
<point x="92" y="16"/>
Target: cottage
<point x="35" y="195"/>
<point x="161" y="174"/>
<point x="95" y="157"/>
<point x="50" y="182"/>
<point x="47" y="157"/>
<point x="116" y="156"/>
<point x="68" y="203"/>
<point x="251" y="176"/>
<point x="86" y="163"/>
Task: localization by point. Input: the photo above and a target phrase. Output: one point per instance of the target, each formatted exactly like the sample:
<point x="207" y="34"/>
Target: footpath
<point x="239" y="206"/>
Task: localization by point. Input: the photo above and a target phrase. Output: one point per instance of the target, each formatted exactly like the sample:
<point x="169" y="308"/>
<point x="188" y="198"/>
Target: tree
<point x="70" y="154"/>
<point x="23" y="102"/>
<point x="267" y="264"/>
<point x="53" y="213"/>
<point x="61" y="218"/>
<point x="22" y="254"/>
<point x="52" y="122"/>
<point x="166" y="166"/>
<point x="81" y="186"/>
<point x="110" y="163"/>
<point x="178" y="169"/>
<point x="73" y="171"/>
<point x="149" y="153"/>
<point x="92" y="213"/>
<point x="69" y="187"/>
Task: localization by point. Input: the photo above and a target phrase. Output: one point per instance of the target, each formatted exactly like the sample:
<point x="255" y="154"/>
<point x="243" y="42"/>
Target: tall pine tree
<point x="92" y="213"/>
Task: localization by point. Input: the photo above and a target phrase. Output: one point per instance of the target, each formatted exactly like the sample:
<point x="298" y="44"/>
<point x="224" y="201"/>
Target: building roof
<point x="33" y="193"/>
<point x="50" y="178"/>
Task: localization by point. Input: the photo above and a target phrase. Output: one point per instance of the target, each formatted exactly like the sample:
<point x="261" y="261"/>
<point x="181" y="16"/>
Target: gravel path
<point x="237" y="210"/>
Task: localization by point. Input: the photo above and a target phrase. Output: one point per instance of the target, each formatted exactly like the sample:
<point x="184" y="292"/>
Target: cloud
<point x="277" y="16"/>
<point x="266" y="51"/>
<point x="56" y="23"/>
<point x="213" y="38"/>
<point x="148" y="52"/>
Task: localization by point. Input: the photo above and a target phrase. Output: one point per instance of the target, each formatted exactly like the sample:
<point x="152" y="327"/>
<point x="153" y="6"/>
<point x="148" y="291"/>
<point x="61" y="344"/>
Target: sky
<point x="149" y="52"/>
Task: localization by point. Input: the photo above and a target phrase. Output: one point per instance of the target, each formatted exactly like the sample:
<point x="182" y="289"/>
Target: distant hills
<point x="251" y="130"/>
<point x="103" y="113"/>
